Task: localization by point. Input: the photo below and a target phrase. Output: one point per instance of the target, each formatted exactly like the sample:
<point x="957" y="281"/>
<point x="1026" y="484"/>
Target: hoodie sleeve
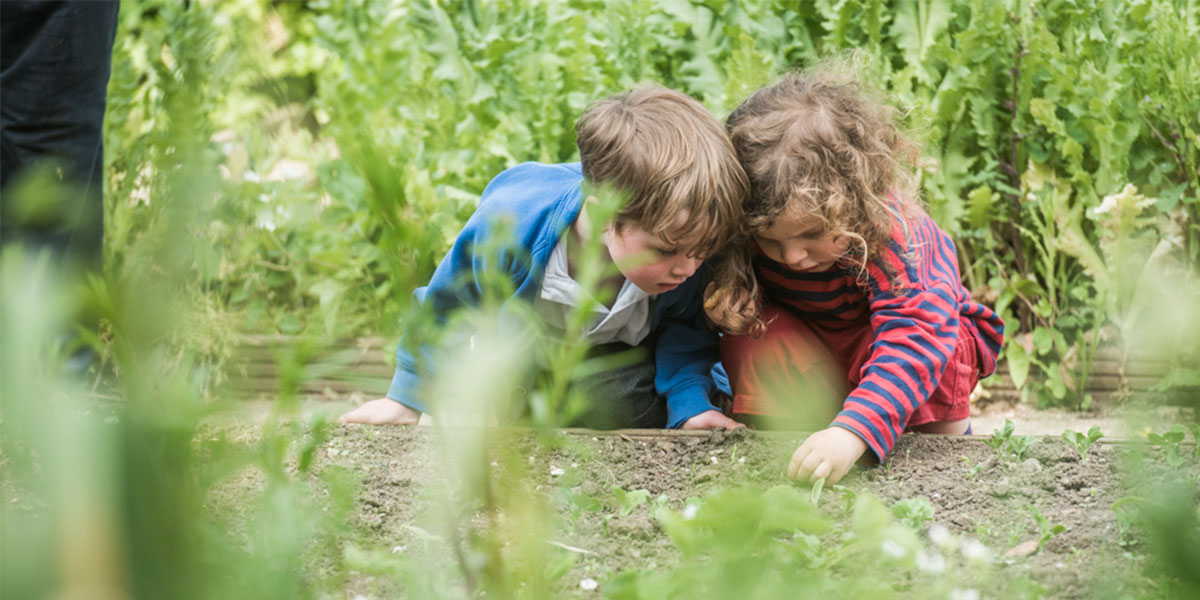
<point x="685" y="352"/>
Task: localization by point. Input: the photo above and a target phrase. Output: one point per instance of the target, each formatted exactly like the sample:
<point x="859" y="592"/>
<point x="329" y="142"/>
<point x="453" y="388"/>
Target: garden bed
<point x="1040" y="523"/>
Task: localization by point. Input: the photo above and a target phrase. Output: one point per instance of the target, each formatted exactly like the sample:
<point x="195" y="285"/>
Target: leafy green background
<point x="340" y="144"/>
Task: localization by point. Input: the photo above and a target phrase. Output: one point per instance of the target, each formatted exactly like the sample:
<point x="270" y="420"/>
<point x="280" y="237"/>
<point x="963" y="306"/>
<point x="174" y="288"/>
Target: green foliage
<point x="913" y="512"/>
<point x="1083" y="442"/>
<point x="1171" y="442"/>
<point x="773" y="543"/>
<point x="1009" y="446"/>
<point x="1046" y="530"/>
<point x="352" y="138"/>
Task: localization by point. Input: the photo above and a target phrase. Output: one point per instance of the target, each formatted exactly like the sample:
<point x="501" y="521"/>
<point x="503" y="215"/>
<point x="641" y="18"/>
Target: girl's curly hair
<point x="823" y="145"/>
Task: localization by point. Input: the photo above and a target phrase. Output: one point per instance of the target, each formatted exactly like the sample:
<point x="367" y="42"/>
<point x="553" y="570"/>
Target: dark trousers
<point x="54" y="68"/>
<point x="618" y="388"/>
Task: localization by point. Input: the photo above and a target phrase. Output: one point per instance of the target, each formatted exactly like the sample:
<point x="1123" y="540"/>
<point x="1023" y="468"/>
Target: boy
<point x="673" y="161"/>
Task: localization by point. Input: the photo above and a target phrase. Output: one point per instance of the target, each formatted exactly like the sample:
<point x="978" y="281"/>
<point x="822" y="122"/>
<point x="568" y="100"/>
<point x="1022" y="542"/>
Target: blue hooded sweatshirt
<point x="535" y="203"/>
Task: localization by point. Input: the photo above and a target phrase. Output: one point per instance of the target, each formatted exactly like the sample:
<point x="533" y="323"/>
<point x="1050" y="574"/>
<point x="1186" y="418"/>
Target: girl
<point x="862" y="308"/>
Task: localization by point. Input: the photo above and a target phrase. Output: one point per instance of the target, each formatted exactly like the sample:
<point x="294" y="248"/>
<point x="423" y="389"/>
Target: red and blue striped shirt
<point x="915" y="314"/>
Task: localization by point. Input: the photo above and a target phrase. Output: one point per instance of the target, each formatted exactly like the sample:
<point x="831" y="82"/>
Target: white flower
<point x="930" y="562"/>
<point x="251" y="176"/>
<point x="892" y="549"/>
<point x="976" y="551"/>
<point x="588" y="584"/>
<point x="939" y="535"/>
<point x="1109" y="203"/>
<point x="967" y="594"/>
<point x="689" y="512"/>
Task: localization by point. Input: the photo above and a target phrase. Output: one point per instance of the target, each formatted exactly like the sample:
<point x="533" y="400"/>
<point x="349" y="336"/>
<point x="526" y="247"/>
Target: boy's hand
<point x="828" y="453"/>
<point x="383" y="411"/>
<point x="710" y="419"/>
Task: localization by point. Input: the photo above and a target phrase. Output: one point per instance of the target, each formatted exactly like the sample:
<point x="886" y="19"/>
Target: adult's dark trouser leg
<point x="54" y="68"/>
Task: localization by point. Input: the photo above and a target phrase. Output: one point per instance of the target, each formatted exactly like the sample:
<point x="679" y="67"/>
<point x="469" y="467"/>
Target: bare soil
<point x="974" y="492"/>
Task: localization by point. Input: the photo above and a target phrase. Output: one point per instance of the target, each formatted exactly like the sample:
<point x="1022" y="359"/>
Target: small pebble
<point x="588" y="584"/>
<point x="556" y="471"/>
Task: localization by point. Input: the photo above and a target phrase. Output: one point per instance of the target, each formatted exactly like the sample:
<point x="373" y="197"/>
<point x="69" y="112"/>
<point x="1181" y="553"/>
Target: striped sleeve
<point x="916" y="328"/>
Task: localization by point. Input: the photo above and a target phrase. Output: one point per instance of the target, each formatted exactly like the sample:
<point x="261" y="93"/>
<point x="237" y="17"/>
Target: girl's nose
<point x="794" y="254"/>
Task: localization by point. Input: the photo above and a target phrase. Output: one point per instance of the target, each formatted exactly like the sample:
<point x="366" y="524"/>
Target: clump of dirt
<point x="1046" y="517"/>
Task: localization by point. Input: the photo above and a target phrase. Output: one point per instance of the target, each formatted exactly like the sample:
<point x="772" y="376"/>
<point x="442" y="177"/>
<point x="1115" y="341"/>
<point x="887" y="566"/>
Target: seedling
<point x="971" y="469"/>
<point x="1083" y="442"/>
<point x="1019" y="446"/>
<point x="1170" y="441"/>
<point x="816" y="490"/>
<point x="1044" y="527"/>
<point x="1128" y="513"/>
<point x="913" y="512"/>
<point x="629" y="501"/>
<point x="1006" y="444"/>
<point x="1000" y="437"/>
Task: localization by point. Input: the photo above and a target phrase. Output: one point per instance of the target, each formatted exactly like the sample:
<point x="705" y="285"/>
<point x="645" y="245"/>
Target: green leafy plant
<point x="627" y="502"/>
<point x="1083" y="442"/>
<point x="913" y="512"/>
<point x="1018" y="447"/>
<point x="1007" y="445"/>
<point x="1000" y="437"/>
<point x="1171" y="442"/>
<point x="1046" y="529"/>
<point x="971" y="469"/>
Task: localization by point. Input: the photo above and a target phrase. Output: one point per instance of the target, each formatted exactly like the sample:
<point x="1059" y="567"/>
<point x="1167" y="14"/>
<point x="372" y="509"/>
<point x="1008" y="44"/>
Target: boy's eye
<point x="665" y="252"/>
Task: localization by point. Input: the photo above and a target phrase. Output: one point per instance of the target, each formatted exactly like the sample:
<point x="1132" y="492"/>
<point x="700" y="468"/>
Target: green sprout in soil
<point x="1000" y="437"/>
<point x="627" y="502"/>
<point x="971" y="469"/>
<point x="1045" y="528"/>
<point x="914" y="512"/>
<point x="816" y="491"/>
<point x="1083" y="442"/>
<point x="1008" y="445"/>
<point x="1171" y="442"/>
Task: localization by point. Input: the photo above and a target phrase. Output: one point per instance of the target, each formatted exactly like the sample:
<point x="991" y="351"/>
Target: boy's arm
<point x="477" y="261"/>
<point x="685" y="352"/>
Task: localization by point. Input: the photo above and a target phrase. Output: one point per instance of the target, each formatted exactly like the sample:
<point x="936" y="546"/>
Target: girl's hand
<point x="828" y="454"/>
<point x="710" y="419"/>
<point x="721" y="306"/>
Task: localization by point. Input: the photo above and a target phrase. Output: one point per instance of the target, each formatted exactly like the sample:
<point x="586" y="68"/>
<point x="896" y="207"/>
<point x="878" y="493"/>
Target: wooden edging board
<point x="650" y="434"/>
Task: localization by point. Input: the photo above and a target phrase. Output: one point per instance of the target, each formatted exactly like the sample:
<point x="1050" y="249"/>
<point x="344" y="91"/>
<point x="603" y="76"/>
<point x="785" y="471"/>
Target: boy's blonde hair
<point x="823" y="145"/>
<point x="669" y="154"/>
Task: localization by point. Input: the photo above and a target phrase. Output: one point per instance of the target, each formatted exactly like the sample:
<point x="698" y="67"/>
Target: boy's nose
<point x="686" y="266"/>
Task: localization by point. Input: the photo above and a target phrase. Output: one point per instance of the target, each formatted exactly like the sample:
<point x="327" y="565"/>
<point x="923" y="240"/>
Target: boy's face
<point x="648" y="261"/>
<point x="800" y="244"/>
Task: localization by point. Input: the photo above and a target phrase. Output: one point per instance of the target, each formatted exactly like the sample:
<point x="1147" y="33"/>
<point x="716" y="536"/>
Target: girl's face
<point x="800" y="245"/>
